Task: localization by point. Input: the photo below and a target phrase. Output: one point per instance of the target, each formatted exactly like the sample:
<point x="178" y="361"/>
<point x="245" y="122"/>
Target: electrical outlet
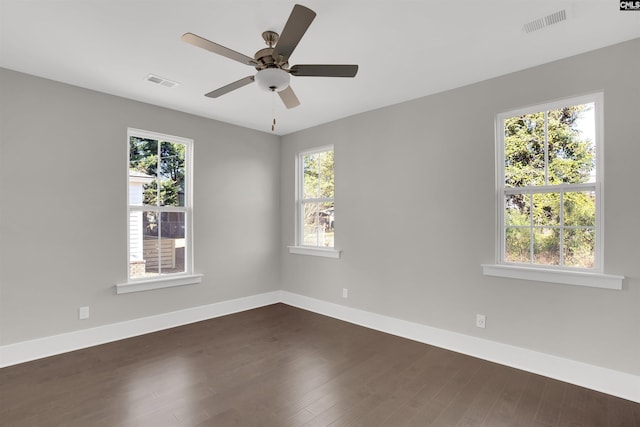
<point x="345" y="293"/>
<point x="83" y="313"/>
<point x="481" y="321"/>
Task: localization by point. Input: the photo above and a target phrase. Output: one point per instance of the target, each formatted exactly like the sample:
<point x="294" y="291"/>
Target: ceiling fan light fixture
<point x="272" y="79"/>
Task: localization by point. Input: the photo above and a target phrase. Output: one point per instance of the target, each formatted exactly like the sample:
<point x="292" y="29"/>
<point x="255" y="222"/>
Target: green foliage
<point x="571" y="157"/>
<point x="167" y="168"/>
<point x="518" y="245"/>
<point x="318" y="175"/>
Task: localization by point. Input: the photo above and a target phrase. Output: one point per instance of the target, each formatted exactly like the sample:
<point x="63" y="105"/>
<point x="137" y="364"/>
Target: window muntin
<point x="549" y="185"/>
<point x="159" y="205"/>
<point x="315" y="198"/>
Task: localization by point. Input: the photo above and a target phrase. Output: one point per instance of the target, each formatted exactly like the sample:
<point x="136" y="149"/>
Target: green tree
<point x="167" y="166"/>
<point x="571" y="156"/>
<point x="318" y="175"/>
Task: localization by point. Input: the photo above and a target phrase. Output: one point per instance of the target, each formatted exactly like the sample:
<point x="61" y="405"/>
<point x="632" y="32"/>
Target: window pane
<point x="546" y="246"/>
<point x="143" y="170"/>
<point x="546" y="209"/>
<point x="136" y="257"/>
<point x="172" y="242"/>
<point x="318" y="224"/>
<point x="171" y="174"/>
<point x="517" y="209"/>
<point x="150" y="248"/>
<point x="326" y="174"/>
<point x="156" y="243"/>
<point x="310" y="176"/>
<point x="580" y="209"/>
<point x="579" y="247"/>
<point x="524" y="150"/>
<point x="571" y="139"/>
<point x="518" y="245"/>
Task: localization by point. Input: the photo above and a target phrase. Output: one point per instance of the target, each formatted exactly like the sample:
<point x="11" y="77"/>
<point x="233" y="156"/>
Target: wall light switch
<point x="83" y="313"/>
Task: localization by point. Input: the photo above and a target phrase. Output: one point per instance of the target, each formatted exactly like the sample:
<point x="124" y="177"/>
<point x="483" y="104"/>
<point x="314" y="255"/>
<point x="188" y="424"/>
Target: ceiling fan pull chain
<point x="273" y="110"/>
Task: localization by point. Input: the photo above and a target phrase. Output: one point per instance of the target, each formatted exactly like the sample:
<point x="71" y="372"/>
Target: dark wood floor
<point x="281" y="366"/>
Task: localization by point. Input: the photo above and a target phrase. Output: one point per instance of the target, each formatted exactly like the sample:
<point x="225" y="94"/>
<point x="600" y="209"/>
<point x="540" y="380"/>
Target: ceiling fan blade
<point x="297" y="24"/>
<point x="216" y="48"/>
<point x="289" y="97"/>
<point x="324" y="70"/>
<point x="231" y="86"/>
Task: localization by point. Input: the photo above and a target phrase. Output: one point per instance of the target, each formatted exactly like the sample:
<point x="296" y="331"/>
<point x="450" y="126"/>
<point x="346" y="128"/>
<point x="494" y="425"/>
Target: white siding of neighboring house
<point x="135" y="236"/>
<point x="137" y="181"/>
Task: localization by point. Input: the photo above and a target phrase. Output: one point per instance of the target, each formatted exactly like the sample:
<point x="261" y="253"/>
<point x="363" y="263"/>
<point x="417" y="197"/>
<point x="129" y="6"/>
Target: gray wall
<point x="415" y="212"/>
<point x="415" y="215"/>
<point x="63" y="177"/>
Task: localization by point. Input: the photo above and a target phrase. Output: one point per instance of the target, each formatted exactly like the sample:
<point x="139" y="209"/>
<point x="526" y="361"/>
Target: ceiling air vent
<point x="161" y="81"/>
<point x="545" y="21"/>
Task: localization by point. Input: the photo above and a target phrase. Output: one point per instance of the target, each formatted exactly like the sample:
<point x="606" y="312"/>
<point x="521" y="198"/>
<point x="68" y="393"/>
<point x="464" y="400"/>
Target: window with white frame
<point x="315" y="210"/>
<point x="159" y="206"/>
<point x="549" y="185"/>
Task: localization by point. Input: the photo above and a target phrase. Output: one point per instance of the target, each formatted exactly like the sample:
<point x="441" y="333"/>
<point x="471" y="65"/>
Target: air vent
<point x="545" y="21"/>
<point x="161" y="81"/>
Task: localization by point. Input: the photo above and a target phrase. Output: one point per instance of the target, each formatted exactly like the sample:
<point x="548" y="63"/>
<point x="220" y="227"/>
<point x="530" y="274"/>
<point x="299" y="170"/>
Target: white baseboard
<point x="25" y="351"/>
<point x="624" y="385"/>
<point x="605" y="380"/>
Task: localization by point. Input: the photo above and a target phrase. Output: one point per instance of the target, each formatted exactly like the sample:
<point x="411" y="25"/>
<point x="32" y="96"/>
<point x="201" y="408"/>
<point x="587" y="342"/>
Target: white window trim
<point x="315" y="251"/>
<point x="298" y="248"/>
<point x="540" y="274"/>
<point x="159" y="283"/>
<point x="188" y="277"/>
<point x="565" y="275"/>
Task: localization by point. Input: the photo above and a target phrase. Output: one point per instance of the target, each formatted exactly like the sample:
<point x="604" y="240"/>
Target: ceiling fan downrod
<point x="270" y="38"/>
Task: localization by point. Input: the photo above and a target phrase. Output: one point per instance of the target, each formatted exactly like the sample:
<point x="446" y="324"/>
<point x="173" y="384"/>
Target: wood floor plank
<point x="480" y="408"/>
<point x="596" y="410"/>
<point x="530" y="401"/>
<point x="503" y="410"/>
<point x="462" y="391"/>
<point x="620" y="413"/>
<point x="551" y="403"/>
<point x="281" y="366"/>
<point x="400" y="387"/>
<point x="429" y="411"/>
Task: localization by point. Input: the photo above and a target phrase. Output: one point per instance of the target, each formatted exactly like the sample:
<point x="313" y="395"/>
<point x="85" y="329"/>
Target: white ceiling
<point x="405" y="49"/>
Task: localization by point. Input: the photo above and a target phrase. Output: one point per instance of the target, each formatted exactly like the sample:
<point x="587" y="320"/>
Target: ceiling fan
<point x="272" y="62"/>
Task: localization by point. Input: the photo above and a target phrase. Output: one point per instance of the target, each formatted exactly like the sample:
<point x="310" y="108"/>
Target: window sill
<point x="578" y="278"/>
<point x="165" y="282"/>
<point x="313" y="251"/>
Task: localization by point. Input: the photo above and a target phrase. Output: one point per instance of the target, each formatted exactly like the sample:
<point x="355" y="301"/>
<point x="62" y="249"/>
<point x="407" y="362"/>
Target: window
<point x="315" y="206"/>
<point x="549" y="186"/>
<point x="159" y="209"/>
